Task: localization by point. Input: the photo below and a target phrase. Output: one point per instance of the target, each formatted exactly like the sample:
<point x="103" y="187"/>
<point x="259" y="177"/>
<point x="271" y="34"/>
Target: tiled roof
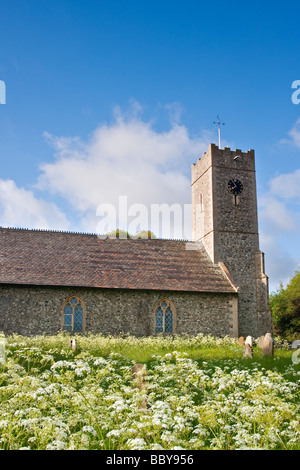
<point x="46" y="258"/>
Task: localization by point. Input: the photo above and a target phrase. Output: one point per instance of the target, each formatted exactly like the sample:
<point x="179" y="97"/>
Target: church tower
<point x="225" y="221"/>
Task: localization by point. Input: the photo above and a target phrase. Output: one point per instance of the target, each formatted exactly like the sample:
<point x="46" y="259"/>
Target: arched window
<point x="164" y="317"/>
<point x="73" y="314"/>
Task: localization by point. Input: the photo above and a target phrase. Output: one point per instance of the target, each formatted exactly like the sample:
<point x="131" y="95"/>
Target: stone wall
<point x="30" y="310"/>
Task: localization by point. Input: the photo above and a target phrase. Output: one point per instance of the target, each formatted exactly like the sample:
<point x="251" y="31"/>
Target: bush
<point x="285" y="306"/>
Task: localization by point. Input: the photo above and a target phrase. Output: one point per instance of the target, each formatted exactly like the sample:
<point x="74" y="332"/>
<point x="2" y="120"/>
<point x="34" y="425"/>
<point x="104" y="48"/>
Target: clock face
<point x="235" y="187"/>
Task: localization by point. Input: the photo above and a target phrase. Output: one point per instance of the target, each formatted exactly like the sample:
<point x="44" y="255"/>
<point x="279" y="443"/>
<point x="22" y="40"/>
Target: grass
<point x="201" y="394"/>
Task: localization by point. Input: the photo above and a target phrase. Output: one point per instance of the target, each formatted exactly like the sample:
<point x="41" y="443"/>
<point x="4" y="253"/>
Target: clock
<point x="235" y="187"/>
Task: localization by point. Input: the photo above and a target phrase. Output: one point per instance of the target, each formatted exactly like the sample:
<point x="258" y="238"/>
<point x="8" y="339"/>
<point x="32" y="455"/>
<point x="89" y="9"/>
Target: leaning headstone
<point x="73" y="344"/>
<point x="138" y="372"/>
<point x="241" y="340"/>
<point x="248" y="352"/>
<point x="268" y="345"/>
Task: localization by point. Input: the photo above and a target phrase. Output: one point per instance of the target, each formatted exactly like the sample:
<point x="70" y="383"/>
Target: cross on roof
<point x="219" y="123"/>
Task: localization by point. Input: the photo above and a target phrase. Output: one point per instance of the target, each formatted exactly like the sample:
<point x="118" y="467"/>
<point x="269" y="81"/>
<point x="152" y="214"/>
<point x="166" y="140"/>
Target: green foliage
<point x="119" y="234"/>
<point x="124" y="234"/>
<point x="145" y="234"/>
<point x="201" y="394"/>
<point x="285" y="306"/>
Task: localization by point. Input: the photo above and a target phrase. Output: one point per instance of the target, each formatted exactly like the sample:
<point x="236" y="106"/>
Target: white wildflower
<point x="136" y="444"/>
<point x="100" y="361"/>
<point x="114" y="432"/>
<point x="89" y="429"/>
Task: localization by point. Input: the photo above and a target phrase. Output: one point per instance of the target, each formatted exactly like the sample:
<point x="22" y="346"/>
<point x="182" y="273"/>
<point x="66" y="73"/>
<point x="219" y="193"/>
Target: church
<point x="53" y="281"/>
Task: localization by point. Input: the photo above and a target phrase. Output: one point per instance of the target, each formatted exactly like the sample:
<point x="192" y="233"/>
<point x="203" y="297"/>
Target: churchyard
<point x="187" y="393"/>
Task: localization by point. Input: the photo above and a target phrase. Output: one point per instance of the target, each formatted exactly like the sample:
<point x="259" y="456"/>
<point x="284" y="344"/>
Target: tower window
<point x="73" y="314"/>
<point x="200" y="202"/>
<point x="164" y="314"/>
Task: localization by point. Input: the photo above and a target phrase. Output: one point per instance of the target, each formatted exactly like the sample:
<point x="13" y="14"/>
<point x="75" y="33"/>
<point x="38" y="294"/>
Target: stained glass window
<point x="159" y="320"/>
<point x="73" y="315"/>
<point x="164" y="317"/>
<point x="168" y="321"/>
<point x="78" y="318"/>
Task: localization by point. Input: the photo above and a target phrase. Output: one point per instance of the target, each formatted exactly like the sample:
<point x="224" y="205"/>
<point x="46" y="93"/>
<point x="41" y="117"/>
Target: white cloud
<point x="280" y="205"/>
<point x="279" y="217"/>
<point x="276" y="215"/>
<point x="126" y="158"/>
<point x="294" y="133"/>
<point x="20" y="208"/>
<point x="287" y="185"/>
<point x="280" y="263"/>
<point x="293" y="139"/>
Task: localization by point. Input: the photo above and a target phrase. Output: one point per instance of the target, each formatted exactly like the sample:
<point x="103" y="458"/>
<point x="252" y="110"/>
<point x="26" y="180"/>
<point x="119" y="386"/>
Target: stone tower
<point x="225" y="221"/>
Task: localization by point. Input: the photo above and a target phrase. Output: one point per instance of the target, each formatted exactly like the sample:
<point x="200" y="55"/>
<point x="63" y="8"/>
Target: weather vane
<point x="219" y="124"/>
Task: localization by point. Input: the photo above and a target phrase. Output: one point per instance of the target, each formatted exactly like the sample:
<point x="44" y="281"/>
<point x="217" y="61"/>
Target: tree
<point x="124" y="234"/>
<point x="285" y="306"/>
<point x="145" y="234"/>
<point x="119" y="234"/>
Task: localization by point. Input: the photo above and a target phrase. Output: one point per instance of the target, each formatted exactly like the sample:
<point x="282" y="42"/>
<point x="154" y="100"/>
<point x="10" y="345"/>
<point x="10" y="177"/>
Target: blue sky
<point x="119" y="98"/>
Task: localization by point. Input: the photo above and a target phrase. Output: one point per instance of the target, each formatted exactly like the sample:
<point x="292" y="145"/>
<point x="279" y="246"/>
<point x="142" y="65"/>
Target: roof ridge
<point x="24" y="229"/>
<point x="101" y="237"/>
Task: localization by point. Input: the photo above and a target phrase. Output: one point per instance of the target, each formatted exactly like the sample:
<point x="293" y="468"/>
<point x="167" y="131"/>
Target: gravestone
<point x="138" y="372"/>
<point x="260" y="341"/>
<point x="2" y="349"/>
<point x="268" y="345"/>
<point x="248" y="351"/>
